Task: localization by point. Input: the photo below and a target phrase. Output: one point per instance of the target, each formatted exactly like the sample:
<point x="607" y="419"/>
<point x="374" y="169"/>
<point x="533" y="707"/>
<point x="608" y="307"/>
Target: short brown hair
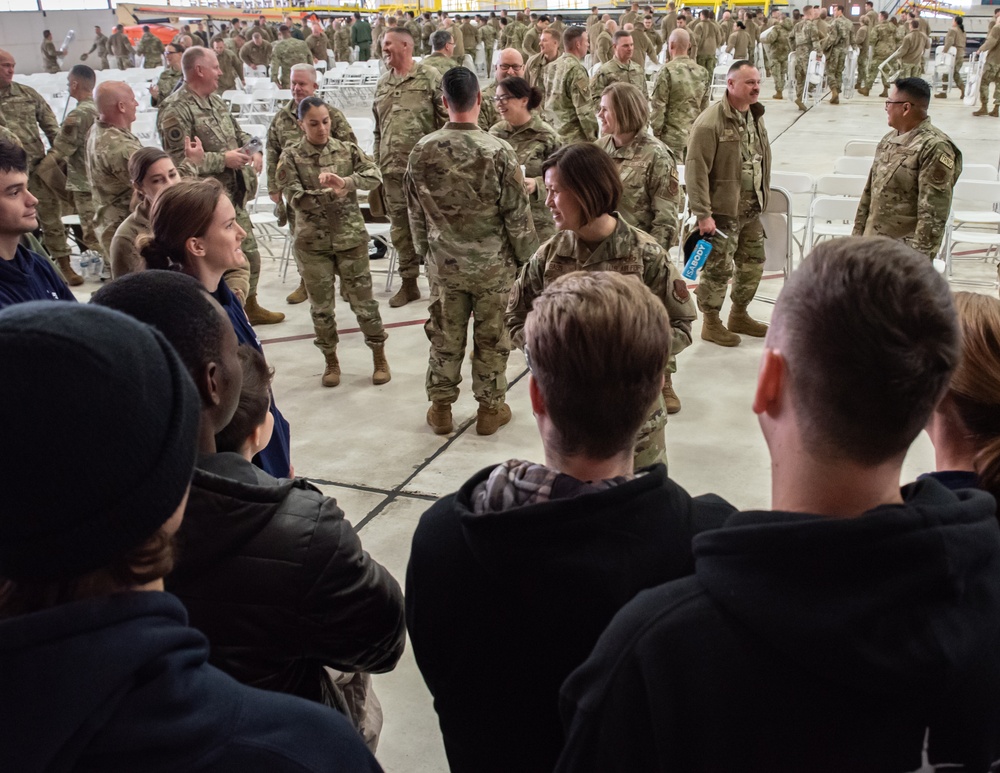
<point x="597" y="344"/>
<point x="975" y="385"/>
<point x="181" y="212"/>
<point x="571" y="35"/>
<point x="630" y="106"/>
<point x="590" y="174"/>
<point x="870" y="336"/>
<point x="254" y="403"/>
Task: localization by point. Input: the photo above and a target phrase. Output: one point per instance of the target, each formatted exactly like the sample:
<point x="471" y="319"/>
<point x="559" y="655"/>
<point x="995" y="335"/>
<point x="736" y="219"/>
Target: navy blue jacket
<point x="276" y="458"/>
<point x="121" y="683"/>
<point x="30" y="277"/>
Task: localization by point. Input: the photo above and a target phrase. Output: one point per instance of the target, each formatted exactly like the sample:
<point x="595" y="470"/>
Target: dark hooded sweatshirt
<point x="502" y="606"/>
<point x="121" y="684"/>
<point x="807" y="643"/>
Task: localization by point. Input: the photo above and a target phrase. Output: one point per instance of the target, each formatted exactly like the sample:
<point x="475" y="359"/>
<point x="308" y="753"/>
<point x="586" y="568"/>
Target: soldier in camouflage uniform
<point x="317" y="45"/>
<point x="835" y="47"/>
<point x="807" y="40"/>
<point x="910" y="54"/>
<point x="470" y="218"/>
<point x="285" y="130"/>
<point x="621" y="69"/>
<point x="318" y="176"/>
<point x="708" y="33"/>
<point x="26" y="111"/>
<point x="680" y="93"/>
<point x="862" y="40"/>
<point x="540" y="68"/>
<point x="110" y="144"/>
<point x="121" y="48"/>
<point x="570" y="103"/>
<point x="533" y="141"/>
<point x="442" y="52"/>
<point x="909" y="189"/>
<point x="778" y="47"/>
<point x="101" y="47"/>
<point x="883" y="42"/>
<point x="489" y="35"/>
<point x="509" y="64"/>
<point x="166" y="84"/>
<point x="342" y="41"/>
<point x="150" y="48"/>
<point x="50" y="54"/>
<point x="407" y="107"/>
<point x="623" y="249"/>
<point x="71" y="147"/>
<point x="727" y="185"/>
<point x="287" y="53"/>
<point x="256" y="52"/>
<point x="195" y="111"/>
<point x="230" y="66"/>
<point x="991" y="72"/>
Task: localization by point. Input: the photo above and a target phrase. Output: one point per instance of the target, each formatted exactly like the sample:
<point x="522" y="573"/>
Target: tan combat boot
<point x="799" y="105"/>
<point x="777" y="94"/>
<point x="258" y="315"/>
<point x="72" y="278"/>
<point x="835" y="98"/>
<point x="408" y="292"/>
<point x="439" y="418"/>
<point x="381" y="365"/>
<point x="713" y="330"/>
<point x="489" y="420"/>
<point x="863" y="91"/>
<point x="299" y="294"/>
<point x="941" y="95"/>
<point x="982" y="110"/>
<point x="995" y="112"/>
<point x="670" y="398"/>
<point x="741" y="322"/>
<point x="885" y="93"/>
<point x="331" y="376"/>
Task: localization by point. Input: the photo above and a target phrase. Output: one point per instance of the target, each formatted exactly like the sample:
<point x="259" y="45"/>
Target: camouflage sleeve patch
<point x="680" y="291"/>
<point x="947" y="161"/>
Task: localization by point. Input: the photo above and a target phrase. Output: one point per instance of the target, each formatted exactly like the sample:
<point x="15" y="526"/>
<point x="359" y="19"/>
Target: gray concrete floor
<point x="370" y="447"/>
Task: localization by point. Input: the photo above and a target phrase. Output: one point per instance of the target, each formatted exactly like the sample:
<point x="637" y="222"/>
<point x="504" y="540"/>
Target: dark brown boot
<point x="331" y="376"/>
<point x="885" y="93"/>
<point x="382" y="375"/>
<point x="489" y="420"/>
<point x="995" y="112"/>
<point x="72" y="278"/>
<point x="408" y="292"/>
<point x="258" y="315"/>
<point x="982" y="110"/>
<point x="439" y="418"/>
<point x="741" y="322"/>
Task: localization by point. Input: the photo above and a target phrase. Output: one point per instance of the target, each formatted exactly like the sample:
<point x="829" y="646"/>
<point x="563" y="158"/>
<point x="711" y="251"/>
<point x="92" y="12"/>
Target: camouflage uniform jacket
<point x="650" y="185"/>
<point x="570" y="104"/>
<point x="285" y="130"/>
<point x="151" y="48"/>
<point x="232" y="71"/>
<point x="489" y="37"/>
<point x="100" y="46"/>
<point x="808" y="37"/>
<point x="680" y="94"/>
<point x="468" y="211"/>
<point x="779" y="44"/>
<point x="25" y="111"/>
<point x="284" y="55"/>
<point x="165" y="85"/>
<point x="882" y="40"/>
<point x="439" y="62"/>
<point x="616" y="72"/>
<point x="324" y="221"/>
<point x="108" y="151"/>
<point x="255" y="55"/>
<point x="406" y="107"/>
<point x="533" y="142"/>
<point x="538" y="72"/>
<point x="209" y="119"/>
<point x="71" y="144"/>
<point x="8" y="136"/>
<point x="909" y="189"/>
<point x="628" y="251"/>
<point x="120" y="45"/>
<point x="50" y="56"/>
<point x="841" y="32"/>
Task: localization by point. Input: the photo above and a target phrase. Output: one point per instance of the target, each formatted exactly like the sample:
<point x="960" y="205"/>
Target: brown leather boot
<point x="439" y="418"/>
<point x="72" y="278"/>
<point x="799" y="105"/>
<point x="406" y="293"/>
<point x="331" y="376"/>
<point x="777" y="94"/>
<point x="670" y="398"/>
<point x="741" y="322"/>
<point x="863" y="91"/>
<point x="885" y="93"/>
<point x="299" y="294"/>
<point x="835" y="99"/>
<point x="941" y="95"/>
<point x="995" y="112"/>
<point x="982" y="110"/>
<point x="381" y="366"/>
<point x="489" y="420"/>
<point x="713" y="330"/>
<point x="258" y="315"/>
<point x="961" y="92"/>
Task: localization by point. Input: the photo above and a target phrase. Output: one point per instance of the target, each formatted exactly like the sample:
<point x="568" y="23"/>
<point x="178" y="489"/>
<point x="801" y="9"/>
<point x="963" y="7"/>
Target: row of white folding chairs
<point x="974" y="221"/>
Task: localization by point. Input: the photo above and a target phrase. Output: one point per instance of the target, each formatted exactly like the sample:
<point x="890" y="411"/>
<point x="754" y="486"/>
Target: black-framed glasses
<point x="898" y="102"/>
<point x="501" y="100"/>
<point x="506" y="67"/>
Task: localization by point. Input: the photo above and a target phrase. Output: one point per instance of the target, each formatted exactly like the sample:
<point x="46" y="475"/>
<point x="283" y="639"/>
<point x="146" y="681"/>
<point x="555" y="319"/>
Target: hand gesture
<point x="334" y="182"/>
<point x="193" y="150"/>
<point x="236" y="159"/>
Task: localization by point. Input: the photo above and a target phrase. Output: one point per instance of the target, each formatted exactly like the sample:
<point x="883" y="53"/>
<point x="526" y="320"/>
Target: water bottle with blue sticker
<point x="702" y="249"/>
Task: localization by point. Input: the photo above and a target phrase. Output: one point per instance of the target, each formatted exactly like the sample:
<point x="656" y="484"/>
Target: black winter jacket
<point x="274" y="575"/>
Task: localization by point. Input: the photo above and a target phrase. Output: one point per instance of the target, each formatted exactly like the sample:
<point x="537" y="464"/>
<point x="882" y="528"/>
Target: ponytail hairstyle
<point x="975" y="385"/>
<point x="183" y="211"/>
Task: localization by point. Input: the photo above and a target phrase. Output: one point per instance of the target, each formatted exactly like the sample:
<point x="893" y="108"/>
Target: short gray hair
<point x="440" y="39"/>
<point x="303" y="67"/>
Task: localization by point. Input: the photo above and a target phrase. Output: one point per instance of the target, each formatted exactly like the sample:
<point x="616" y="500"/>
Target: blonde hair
<point x="597" y="344"/>
<point x="975" y="385"/>
<point x="630" y="107"/>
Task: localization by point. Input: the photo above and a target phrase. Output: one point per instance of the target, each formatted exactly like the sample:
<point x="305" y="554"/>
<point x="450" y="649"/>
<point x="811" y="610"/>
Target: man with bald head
<point x="25" y="112"/>
<point x="110" y="144"/>
<point x="604" y="44"/>
<point x="196" y="112"/>
<point x="510" y="64"/>
<point x="680" y="93"/>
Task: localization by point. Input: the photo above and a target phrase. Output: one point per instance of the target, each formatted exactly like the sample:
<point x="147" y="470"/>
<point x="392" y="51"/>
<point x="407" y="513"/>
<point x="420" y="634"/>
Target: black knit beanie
<point x="100" y="422"/>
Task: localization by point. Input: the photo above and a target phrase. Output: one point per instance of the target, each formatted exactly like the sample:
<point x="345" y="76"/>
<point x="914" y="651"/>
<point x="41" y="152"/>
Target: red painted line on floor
<point x="307" y="336"/>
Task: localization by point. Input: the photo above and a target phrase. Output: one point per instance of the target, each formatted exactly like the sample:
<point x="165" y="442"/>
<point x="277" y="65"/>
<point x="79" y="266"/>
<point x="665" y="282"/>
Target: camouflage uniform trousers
<point x="651" y="439"/>
<point x="913" y="71"/>
<point x="779" y="71"/>
<point x="874" y="73"/>
<point x="452" y="303"/>
<point x="835" y="61"/>
<point x="742" y="247"/>
<point x="249" y="247"/>
<point x="991" y="74"/>
<point x="801" y="65"/>
<point x="49" y="211"/>
<point x="123" y="62"/>
<point x="863" y="64"/>
<point x="319" y="271"/>
<point x="708" y="62"/>
<point x="84" y="204"/>
<point x="395" y="204"/>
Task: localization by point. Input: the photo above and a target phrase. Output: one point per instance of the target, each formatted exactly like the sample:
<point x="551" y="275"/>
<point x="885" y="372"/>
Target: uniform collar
<point x="462" y="126"/>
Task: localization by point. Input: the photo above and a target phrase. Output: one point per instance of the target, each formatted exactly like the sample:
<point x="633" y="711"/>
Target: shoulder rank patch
<point x="947" y="161"/>
<point x="681" y="293"/>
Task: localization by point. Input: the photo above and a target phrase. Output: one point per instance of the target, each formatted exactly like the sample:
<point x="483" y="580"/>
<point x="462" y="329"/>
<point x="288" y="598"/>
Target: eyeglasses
<point x="506" y="67"/>
<point x="897" y="102"/>
<point x="501" y="100"/>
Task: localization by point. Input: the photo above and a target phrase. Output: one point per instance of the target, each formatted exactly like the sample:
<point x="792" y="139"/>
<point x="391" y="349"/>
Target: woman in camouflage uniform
<point x="318" y="176"/>
<point x="151" y="171"/>
<point x="533" y="141"/>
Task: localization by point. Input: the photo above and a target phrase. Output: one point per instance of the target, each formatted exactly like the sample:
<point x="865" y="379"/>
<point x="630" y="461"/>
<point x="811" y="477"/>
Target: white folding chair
<point x="841" y="185"/>
<point x="986" y="172"/>
<point x="859" y="147"/>
<point x="778" y="246"/>
<point x="830" y="216"/>
<point x="857" y="165"/>
<point x="801" y="187"/>
<point x="975" y="220"/>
